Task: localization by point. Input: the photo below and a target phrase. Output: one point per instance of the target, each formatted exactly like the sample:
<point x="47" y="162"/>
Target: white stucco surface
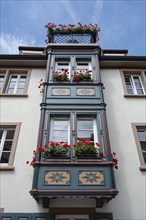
<point x="130" y="203"/>
<point x="16" y="184"/>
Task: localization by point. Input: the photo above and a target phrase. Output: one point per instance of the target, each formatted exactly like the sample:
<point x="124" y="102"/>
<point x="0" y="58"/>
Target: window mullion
<point x="17" y="83"/>
<point x="133" y="85"/>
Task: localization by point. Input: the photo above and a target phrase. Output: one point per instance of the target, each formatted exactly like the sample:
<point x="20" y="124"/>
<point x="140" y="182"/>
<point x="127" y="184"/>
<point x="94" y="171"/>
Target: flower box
<point x="60" y="75"/>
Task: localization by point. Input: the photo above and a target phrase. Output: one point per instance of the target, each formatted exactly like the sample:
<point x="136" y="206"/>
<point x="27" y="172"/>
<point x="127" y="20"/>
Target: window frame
<point x="7" y="126"/>
<point x="84" y="59"/>
<point x="142" y="77"/>
<point x="58" y="118"/>
<point x="65" y="59"/>
<point x="95" y="130"/>
<point x="135" y="127"/>
<point x="8" y="73"/>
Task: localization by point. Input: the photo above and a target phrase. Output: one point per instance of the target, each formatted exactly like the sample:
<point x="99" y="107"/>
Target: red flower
<point x="101" y="154"/>
<point x="97" y="144"/>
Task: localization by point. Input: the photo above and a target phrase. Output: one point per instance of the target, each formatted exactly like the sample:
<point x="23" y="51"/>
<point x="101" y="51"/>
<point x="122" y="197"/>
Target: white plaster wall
<point x="16" y="184"/>
<point x="130" y="203"/>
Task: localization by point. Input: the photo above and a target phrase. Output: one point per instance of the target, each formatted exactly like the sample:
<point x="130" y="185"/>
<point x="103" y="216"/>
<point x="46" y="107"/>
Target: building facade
<point x="72" y="95"/>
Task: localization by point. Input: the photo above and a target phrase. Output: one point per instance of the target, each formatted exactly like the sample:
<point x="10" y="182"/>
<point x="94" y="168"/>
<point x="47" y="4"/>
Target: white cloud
<point x="9" y="43"/>
<point x="97" y="11"/>
<point x="70" y="10"/>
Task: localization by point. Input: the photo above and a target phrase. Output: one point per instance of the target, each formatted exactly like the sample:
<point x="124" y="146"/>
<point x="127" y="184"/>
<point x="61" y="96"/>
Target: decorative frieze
<point x="57" y="177"/>
<point x="91" y="177"/>
<point x="61" y="91"/>
<point x="85" y="91"/>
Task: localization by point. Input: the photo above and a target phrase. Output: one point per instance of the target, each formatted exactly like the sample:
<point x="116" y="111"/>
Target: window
<point x="60" y="129"/>
<point x="140" y="138"/>
<point x="83" y="64"/>
<point x="86" y="129"/>
<point x="134" y="83"/>
<point x="8" y="141"/>
<point x="14" y="82"/>
<point x="63" y="63"/>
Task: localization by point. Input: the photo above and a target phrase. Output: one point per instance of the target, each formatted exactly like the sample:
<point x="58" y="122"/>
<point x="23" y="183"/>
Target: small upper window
<point x="14" y="82"/>
<point x="134" y="84"/>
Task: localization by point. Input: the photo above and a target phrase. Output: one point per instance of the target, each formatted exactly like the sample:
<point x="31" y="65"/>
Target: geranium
<point x="41" y="86"/>
<point x="115" y="160"/>
<point x="92" y="28"/>
<point x="82" y="75"/>
<point x="85" y="147"/>
<point x="61" y="75"/>
<point x="33" y="159"/>
<point x="55" y="148"/>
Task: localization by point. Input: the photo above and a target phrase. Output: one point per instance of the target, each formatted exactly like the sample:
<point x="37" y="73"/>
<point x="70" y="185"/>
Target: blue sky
<point x="122" y="22"/>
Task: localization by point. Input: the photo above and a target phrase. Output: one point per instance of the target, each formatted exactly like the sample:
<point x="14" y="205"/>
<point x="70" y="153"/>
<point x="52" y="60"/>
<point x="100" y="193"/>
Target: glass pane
<point x="23" y="78"/>
<point x="142" y="135"/>
<point x="85" y="124"/>
<point x="12" y="85"/>
<point x="10" y="91"/>
<point x="139" y="91"/>
<point x="10" y="134"/>
<point x="14" y="78"/>
<point x="1" y="133"/>
<point x="87" y="135"/>
<point x="60" y="125"/>
<point x="21" y="85"/>
<point x="7" y="146"/>
<point x="20" y="91"/>
<point x="143" y="145"/>
<point x="60" y="136"/>
<point x="130" y="91"/>
<point x="144" y="156"/>
<point x="5" y="157"/>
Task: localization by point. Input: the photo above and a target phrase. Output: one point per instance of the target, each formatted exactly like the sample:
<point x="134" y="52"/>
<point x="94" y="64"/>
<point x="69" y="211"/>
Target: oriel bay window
<point x="70" y="131"/>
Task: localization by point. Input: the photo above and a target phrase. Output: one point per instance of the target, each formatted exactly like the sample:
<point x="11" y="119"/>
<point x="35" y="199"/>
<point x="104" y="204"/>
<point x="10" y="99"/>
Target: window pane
<point x="1" y="81"/>
<point x="5" y="157"/>
<point x="60" y="136"/>
<point x="12" y="85"/>
<point x="142" y="135"/>
<point x="130" y="91"/>
<point x="1" y="133"/>
<point x="7" y="146"/>
<point x="10" y="91"/>
<point x="139" y="91"/>
<point x="20" y="91"/>
<point x="10" y="134"/>
<point x="13" y="78"/>
<point x="143" y="145"/>
<point x="144" y="156"/>
<point x="21" y="85"/>
<point x="60" y="125"/>
<point x="87" y="124"/>
<point x="88" y="135"/>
